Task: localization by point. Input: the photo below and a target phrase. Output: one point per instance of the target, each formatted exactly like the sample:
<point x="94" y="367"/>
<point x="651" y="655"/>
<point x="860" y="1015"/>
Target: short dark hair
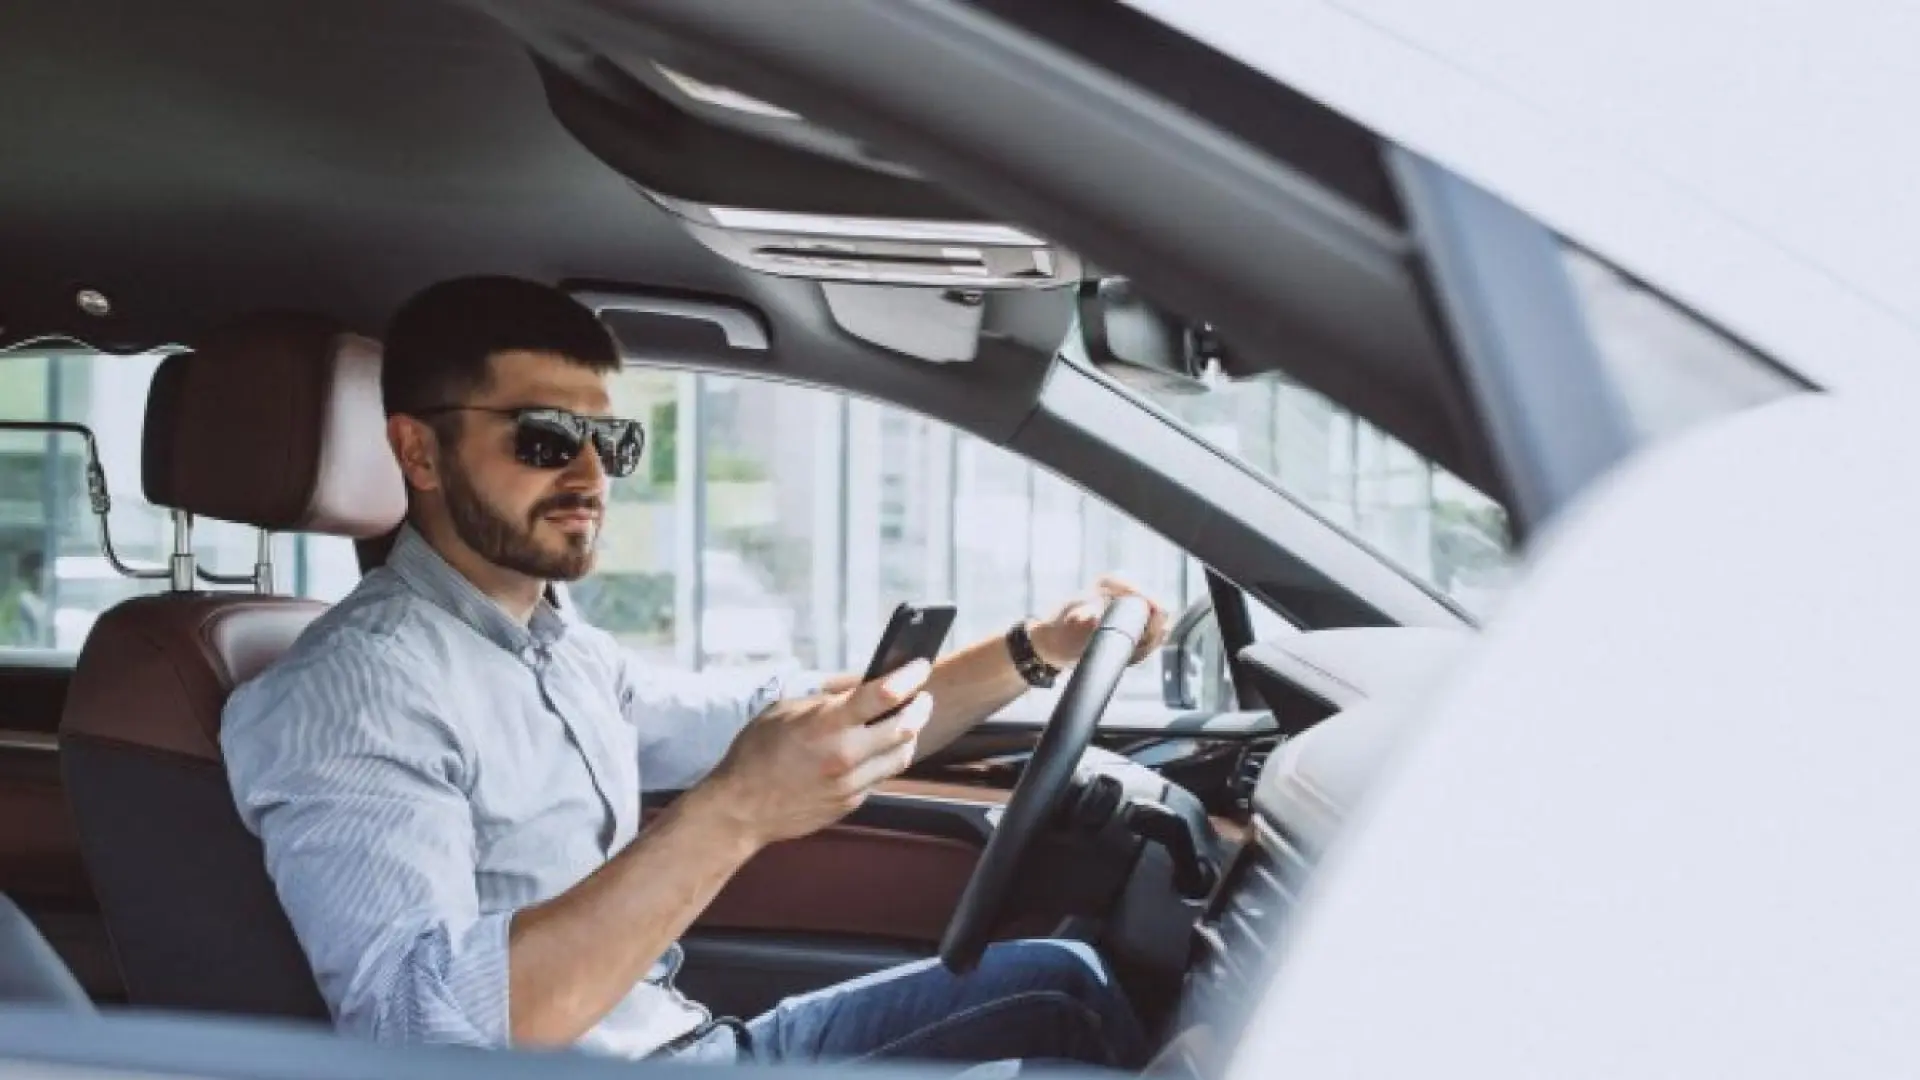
<point x="438" y="343"/>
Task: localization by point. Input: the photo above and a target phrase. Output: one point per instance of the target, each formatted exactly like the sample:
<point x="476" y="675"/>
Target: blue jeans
<point x="1026" y="1000"/>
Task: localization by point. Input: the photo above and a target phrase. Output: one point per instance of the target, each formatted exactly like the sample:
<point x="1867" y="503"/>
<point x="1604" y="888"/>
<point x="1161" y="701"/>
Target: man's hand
<point x="796" y="768"/>
<point x="806" y="763"/>
<point x="1061" y="639"/>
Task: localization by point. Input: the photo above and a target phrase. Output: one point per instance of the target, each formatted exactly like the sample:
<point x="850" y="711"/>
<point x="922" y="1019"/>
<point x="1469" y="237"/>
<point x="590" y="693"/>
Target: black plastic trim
<point x="1236" y="633"/>
<point x="1337" y="153"/>
<point x="1539" y="385"/>
<point x="1292" y="709"/>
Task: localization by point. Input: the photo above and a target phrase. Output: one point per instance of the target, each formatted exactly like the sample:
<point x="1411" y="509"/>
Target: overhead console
<point x="776" y="193"/>
<point x="901" y="263"/>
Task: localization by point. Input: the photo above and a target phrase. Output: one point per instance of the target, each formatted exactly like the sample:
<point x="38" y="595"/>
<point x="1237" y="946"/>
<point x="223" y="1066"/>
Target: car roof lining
<point x="176" y="157"/>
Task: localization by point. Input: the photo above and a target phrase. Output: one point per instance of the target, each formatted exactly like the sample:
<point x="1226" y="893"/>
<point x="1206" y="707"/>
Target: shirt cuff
<point x="450" y="987"/>
<point x="478" y="978"/>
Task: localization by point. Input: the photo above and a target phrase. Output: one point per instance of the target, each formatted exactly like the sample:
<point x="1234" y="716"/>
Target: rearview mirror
<point x="1133" y="341"/>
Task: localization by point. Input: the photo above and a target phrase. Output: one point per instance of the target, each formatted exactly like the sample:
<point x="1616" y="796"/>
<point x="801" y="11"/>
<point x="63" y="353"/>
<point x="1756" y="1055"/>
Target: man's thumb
<point x="870" y="700"/>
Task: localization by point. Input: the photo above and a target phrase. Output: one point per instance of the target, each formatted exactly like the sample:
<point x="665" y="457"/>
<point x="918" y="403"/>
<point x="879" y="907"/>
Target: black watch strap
<point x="1036" y="671"/>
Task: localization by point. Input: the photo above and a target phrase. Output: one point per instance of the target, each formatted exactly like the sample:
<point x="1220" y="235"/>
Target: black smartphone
<point x="915" y="632"/>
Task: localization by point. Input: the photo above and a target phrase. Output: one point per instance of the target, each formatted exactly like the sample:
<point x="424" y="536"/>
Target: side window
<point x="54" y="579"/>
<point x="775" y="526"/>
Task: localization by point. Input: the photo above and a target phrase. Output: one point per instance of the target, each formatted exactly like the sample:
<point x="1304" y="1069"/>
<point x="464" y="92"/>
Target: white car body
<point x="1659" y="821"/>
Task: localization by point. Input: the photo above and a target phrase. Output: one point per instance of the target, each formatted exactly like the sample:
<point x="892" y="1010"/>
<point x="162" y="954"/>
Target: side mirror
<point x="1193" y="671"/>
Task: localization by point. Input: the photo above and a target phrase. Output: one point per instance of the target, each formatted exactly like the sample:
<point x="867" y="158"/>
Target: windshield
<point x="1415" y="513"/>
<point x="1672" y="371"/>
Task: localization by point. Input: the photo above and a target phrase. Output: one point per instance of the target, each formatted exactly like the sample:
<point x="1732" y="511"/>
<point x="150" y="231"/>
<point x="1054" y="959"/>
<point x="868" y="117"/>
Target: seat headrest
<point x="274" y="421"/>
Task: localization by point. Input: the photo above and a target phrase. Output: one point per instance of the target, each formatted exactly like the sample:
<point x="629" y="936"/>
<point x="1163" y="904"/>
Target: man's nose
<point x="585" y="472"/>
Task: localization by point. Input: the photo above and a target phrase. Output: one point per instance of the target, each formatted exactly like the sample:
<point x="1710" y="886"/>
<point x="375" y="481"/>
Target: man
<point x="446" y="769"/>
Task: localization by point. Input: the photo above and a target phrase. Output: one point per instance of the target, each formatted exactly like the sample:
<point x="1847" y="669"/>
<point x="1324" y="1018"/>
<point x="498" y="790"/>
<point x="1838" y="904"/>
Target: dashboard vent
<point x="1246" y="771"/>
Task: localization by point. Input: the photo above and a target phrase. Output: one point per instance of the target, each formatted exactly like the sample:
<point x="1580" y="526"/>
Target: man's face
<point x="543" y="523"/>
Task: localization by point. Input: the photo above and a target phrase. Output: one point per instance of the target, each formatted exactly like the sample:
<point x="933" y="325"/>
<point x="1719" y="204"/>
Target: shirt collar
<point x="435" y="580"/>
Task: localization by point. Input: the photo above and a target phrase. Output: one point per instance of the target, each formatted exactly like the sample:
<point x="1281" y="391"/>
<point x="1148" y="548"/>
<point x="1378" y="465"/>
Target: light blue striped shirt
<point x="420" y="766"/>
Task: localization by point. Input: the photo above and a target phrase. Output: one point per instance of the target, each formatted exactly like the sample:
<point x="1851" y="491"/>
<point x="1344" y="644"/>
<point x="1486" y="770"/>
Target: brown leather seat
<point x="274" y="422"/>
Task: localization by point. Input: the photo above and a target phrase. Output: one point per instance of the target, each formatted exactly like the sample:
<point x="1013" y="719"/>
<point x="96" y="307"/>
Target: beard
<point x="500" y="540"/>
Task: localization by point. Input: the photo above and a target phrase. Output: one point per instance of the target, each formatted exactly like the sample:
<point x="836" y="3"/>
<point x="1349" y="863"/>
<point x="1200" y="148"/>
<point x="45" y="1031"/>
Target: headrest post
<point x="263" y="567"/>
<point x="181" y="564"/>
<point x="97" y="496"/>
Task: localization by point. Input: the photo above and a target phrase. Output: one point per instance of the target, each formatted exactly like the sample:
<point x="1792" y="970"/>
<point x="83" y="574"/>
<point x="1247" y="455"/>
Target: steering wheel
<point x="1037" y="796"/>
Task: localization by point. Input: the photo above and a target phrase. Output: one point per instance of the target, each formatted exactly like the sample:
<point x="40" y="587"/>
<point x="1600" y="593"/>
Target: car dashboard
<point x="1236" y="942"/>
<point x="1367" y="684"/>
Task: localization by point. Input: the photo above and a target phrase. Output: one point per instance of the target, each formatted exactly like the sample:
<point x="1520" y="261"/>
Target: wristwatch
<point x="1026" y="660"/>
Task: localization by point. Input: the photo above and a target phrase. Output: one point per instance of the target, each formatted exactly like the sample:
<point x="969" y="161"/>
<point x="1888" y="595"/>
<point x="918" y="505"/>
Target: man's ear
<point x="417" y="449"/>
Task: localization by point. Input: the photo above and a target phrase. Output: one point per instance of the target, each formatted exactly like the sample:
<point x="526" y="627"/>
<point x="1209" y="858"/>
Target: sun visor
<point x="768" y="190"/>
<point x="886" y="251"/>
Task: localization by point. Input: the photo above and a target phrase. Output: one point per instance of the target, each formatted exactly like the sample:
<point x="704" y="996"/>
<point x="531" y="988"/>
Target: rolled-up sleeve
<point x="357" y="791"/>
<point x="686" y="720"/>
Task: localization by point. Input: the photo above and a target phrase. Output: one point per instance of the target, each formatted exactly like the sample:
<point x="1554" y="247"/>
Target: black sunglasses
<point x="546" y="438"/>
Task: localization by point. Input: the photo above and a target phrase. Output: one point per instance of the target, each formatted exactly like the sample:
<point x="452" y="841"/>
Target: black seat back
<point x="193" y="917"/>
